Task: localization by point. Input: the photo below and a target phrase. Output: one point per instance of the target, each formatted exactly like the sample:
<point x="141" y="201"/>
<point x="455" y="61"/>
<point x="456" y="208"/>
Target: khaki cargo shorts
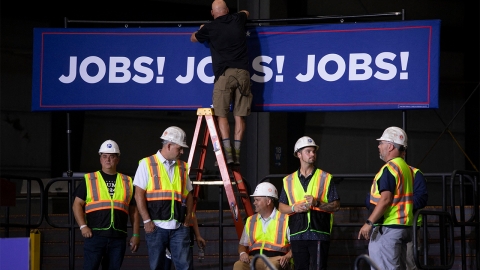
<point x="232" y="87"/>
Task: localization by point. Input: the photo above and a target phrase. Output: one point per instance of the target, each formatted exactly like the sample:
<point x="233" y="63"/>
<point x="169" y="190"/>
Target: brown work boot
<point x="237" y="156"/>
<point x="228" y="156"/>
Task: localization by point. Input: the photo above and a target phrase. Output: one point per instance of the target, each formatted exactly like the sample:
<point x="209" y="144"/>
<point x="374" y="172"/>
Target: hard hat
<point x="175" y="135"/>
<point x="304" y="142"/>
<point x="395" y="135"/>
<point x="265" y="189"/>
<point x="109" y="147"/>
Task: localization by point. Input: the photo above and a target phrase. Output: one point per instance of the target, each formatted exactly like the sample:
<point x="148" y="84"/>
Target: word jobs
<point x="359" y="69"/>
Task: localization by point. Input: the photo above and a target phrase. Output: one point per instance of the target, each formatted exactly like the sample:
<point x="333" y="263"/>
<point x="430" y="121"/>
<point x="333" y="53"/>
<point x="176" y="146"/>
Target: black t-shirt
<point x="227" y="39"/>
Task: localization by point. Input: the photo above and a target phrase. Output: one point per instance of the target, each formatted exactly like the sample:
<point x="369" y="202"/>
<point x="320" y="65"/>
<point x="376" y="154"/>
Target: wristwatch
<point x="369" y="222"/>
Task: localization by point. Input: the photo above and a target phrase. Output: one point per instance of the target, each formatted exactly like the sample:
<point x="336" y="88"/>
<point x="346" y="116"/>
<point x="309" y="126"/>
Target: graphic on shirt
<point x="111" y="187"/>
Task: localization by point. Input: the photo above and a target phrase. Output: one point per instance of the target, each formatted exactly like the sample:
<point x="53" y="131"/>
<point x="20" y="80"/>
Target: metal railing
<point x="303" y="20"/>
<point x="264" y="259"/>
<point x="71" y="224"/>
<point x="28" y="225"/>
<point x="468" y="182"/>
<point x="365" y="257"/>
<point x="447" y="251"/>
<point x="458" y="182"/>
<point x="440" y="180"/>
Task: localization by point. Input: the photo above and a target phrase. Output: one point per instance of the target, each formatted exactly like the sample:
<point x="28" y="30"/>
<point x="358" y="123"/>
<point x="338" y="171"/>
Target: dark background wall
<point x="35" y="143"/>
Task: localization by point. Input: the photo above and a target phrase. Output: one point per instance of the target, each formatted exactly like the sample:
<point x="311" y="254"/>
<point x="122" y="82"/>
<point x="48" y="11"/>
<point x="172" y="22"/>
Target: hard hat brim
<point x="316" y="149"/>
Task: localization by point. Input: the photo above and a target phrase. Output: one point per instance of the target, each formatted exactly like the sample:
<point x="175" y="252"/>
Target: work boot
<point x="228" y="156"/>
<point x="228" y="151"/>
<point x="237" y="144"/>
<point x="237" y="156"/>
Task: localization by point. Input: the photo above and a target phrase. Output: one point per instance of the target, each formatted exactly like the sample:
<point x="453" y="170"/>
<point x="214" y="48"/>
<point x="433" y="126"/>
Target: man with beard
<point x="164" y="200"/>
<point x="310" y="196"/>
<point x="390" y="221"/>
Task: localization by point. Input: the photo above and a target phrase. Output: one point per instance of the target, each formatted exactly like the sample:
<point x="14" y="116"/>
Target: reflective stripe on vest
<point x="159" y="186"/>
<point x="400" y="212"/>
<point x="318" y="187"/>
<point x="275" y="236"/>
<point x="98" y="196"/>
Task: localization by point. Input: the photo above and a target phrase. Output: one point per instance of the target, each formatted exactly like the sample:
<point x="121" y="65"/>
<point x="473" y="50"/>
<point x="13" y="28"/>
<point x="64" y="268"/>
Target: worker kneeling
<point x="265" y="232"/>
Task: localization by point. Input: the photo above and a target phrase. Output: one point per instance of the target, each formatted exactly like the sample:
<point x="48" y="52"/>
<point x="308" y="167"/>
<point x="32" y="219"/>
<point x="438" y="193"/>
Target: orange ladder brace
<point x="211" y="132"/>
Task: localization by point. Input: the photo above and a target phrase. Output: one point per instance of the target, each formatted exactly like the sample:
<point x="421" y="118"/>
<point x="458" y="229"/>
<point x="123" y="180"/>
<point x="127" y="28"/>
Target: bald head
<point x="219" y="8"/>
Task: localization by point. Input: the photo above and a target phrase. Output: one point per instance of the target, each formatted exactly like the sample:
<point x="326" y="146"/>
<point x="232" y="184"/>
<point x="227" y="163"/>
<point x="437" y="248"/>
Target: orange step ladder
<point x="211" y="132"/>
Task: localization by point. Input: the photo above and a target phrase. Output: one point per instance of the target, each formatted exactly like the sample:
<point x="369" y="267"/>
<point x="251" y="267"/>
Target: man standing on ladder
<point x="101" y="208"/>
<point x="164" y="200"/>
<point x="310" y="195"/>
<point x="226" y="36"/>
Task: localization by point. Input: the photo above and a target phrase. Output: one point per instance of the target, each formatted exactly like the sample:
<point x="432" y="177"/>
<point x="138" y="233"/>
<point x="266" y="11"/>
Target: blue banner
<point x="321" y="67"/>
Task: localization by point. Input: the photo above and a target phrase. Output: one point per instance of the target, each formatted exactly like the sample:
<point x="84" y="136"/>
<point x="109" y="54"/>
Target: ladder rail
<point x="210" y="132"/>
<point x="217" y="148"/>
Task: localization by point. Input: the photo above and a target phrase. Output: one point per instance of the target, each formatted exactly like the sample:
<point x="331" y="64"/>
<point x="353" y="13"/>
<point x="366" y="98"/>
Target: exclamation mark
<point x="280" y="59"/>
<point x="404" y="62"/>
<point x="160" y="64"/>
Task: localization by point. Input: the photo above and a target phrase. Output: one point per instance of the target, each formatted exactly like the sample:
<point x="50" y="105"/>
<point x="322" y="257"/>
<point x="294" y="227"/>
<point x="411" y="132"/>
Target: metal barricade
<point x="366" y="258"/>
<point x="71" y="225"/>
<point x="467" y="183"/>
<point x="447" y="251"/>
<point x="28" y="225"/>
<point x="263" y="258"/>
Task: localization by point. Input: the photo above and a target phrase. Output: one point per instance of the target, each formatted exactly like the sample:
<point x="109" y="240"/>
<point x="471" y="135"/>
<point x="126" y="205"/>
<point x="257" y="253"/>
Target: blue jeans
<point x="179" y="242"/>
<point x="168" y="262"/>
<point x="107" y="251"/>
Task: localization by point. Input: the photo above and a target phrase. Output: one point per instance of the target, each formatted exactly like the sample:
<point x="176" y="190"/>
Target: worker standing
<point x="390" y="221"/>
<point x="101" y="208"/>
<point x="310" y="196"/>
<point x="165" y="203"/>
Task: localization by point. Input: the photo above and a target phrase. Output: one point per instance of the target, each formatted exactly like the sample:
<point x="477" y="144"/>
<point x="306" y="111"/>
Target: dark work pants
<point x="305" y="254"/>
<point x="107" y="251"/>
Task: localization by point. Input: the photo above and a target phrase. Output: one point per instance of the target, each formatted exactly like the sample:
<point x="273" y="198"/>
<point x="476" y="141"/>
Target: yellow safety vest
<point x="401" y="210"/>
<point x="165" y="198"/>
<point x="275" y="236"/>
<point x="98" y="197"/>
<point x="315" y="219"/>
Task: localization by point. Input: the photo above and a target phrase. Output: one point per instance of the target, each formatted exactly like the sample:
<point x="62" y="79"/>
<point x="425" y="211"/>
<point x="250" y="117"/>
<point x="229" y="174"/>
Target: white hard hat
<point x="395" y="135"/>
<point x="109" y="147"/>
<point x="265" y="189"/>
<point x="304" y="142"/>
<point x="175" y="135"/>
